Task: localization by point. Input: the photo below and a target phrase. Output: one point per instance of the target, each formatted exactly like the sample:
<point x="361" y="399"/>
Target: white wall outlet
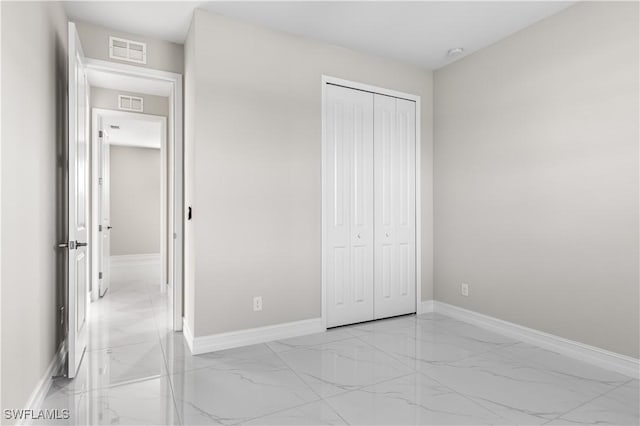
<point x="464" y="289"/>
<point x="257" y="303"/>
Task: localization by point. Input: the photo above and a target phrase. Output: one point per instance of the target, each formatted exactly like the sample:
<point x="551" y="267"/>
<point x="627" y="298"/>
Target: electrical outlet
<point x="464" y="289"/>
<point x="257" y="303"/>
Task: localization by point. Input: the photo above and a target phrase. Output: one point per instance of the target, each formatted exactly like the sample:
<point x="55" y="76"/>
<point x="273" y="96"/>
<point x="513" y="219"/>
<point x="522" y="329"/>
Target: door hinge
<point x="99" y="181"/>
<point x="100" y="275"/>
<point x="61" y="315"/>
<point x="99" y="133"/>
<point x="99" y="228"/>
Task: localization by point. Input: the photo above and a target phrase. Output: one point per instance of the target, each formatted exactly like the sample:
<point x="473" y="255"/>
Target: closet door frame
<point x="382" y="91"/>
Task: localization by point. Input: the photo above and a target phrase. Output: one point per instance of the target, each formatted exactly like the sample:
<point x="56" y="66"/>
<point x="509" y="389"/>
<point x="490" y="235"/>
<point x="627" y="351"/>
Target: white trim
<point x="188" y="334"/>
<point x="133" y="115"/>
<point x="418" y="229"/>
<point x="44" y="384"/>
<point x="252" y="336"/>
<point x="593" y="355"/>
<point x="418" y="189"/>
<point x="369" y="88"/>
<point x="97" y="117"/>
<point x="127" y="260"/>
<point x="175" y="170"/>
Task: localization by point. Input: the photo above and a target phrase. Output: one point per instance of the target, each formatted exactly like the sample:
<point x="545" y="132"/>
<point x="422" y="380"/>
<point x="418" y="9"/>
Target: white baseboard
<point x="425" y="307"/>
<point x="44" y="384"/>
<point x="252" y="336"/>
<point x="135" y="259"/>
<point x="593" y="355"/>
<point x="188" y="334"/>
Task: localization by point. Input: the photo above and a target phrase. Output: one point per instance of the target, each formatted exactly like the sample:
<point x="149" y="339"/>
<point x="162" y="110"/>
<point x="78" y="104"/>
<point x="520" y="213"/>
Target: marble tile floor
<point x="426" y="369"/>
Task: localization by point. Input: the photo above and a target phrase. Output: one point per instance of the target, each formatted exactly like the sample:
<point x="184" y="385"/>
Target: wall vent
<point x="127" y="50"/>
<point x="130" y="103"/>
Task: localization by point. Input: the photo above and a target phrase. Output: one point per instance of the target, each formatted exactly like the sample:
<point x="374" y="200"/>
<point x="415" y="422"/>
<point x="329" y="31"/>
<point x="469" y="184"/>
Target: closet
<point x="369" y="205"/>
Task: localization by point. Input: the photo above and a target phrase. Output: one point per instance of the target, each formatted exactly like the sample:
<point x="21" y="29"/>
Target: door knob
<point x="109" y="226"/>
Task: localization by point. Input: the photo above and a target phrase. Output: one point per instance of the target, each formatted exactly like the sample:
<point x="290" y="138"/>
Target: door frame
<point x="382" y="91"/>
<point x="175" y="173"/>
<point x="97" y="115"/>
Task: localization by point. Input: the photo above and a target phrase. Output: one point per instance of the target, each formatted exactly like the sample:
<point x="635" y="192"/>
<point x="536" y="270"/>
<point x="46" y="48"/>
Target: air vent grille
<point x="127" y="50"/>
<point x="130" y="103"/>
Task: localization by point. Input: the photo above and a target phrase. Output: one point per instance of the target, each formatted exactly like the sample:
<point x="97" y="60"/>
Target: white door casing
<point x="395" y="231"/>
<point x="78" y="269"/>
<point x="175" y="178"/>
<point x="349" y="224"/>
<point x="105" y="211"/>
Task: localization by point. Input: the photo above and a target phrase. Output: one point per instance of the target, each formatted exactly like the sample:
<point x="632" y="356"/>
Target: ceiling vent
<point x="127" y="50"/>
<point x="130" y="103"/>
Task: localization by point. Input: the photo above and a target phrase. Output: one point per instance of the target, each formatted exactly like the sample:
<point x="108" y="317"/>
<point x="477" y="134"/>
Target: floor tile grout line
<point x="360" y="389"/>
<point x="279" y="411"/>
<point x="591" y="400"/>
<point x="147" y="295"/>
<point x="293" y="371"/>
<point x="386" y="353"/>
<point x="154" y="313"/>
<point x="307" y="346"/>
<point x="325" y="399"/>
<point x="319" y="398"/>
<point x="464" y="396"/>
<point x="111" y="386"/>
<point x="470" y="398"/>
<point x="471" y="354"/>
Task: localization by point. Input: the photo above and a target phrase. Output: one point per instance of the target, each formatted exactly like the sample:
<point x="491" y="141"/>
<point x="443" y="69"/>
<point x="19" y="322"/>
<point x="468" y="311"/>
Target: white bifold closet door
<point x="395" y="206"/>
<point x="349" y="206"/>
<point x="370" y="250"/>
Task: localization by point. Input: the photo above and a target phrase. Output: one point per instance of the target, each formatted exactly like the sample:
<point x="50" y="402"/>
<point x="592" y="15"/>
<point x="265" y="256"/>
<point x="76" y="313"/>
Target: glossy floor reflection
<point x="426" y="369"/>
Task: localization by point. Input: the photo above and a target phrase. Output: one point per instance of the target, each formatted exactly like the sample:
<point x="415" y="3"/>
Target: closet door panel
<point x="349" y="207"/>
<point x="394" y="163"/>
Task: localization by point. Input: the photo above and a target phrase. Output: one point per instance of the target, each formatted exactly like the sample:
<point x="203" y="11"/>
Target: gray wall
<point x="161" y="55"/>
<point x="536" y="177"/>
<point x="135" y="200"/>
<point x="254" y="136"/>
<point x="34" y="91"/>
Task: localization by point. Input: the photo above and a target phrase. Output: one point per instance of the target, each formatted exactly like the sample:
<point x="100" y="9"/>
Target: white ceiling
<point x="415" y="32"/>
<point x="133" y="131"/>
<point x="110" y="80"/>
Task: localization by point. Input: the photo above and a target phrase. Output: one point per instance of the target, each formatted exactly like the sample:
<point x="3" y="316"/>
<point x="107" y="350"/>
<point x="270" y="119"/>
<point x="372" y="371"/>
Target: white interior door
<point x="395" y="206"/>
<point x="104" y="214"/>
<point x="78" y="274"/>
<point x="349" y="206"/>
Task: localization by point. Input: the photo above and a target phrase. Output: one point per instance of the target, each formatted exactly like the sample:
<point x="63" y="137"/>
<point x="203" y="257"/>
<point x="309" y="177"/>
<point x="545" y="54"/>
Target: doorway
<point x="126" y="85"/>
<point x="130" y="181"/>
<point x="90" y="274"/>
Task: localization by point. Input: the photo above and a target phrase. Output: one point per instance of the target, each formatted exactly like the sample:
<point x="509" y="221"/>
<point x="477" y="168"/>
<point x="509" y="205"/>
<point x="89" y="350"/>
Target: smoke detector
<point x="455" y="51"/>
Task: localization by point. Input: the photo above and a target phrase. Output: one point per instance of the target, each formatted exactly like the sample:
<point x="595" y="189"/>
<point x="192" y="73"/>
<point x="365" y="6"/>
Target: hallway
<point x="123" y="376"/>
<point x="427" y="369"/>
